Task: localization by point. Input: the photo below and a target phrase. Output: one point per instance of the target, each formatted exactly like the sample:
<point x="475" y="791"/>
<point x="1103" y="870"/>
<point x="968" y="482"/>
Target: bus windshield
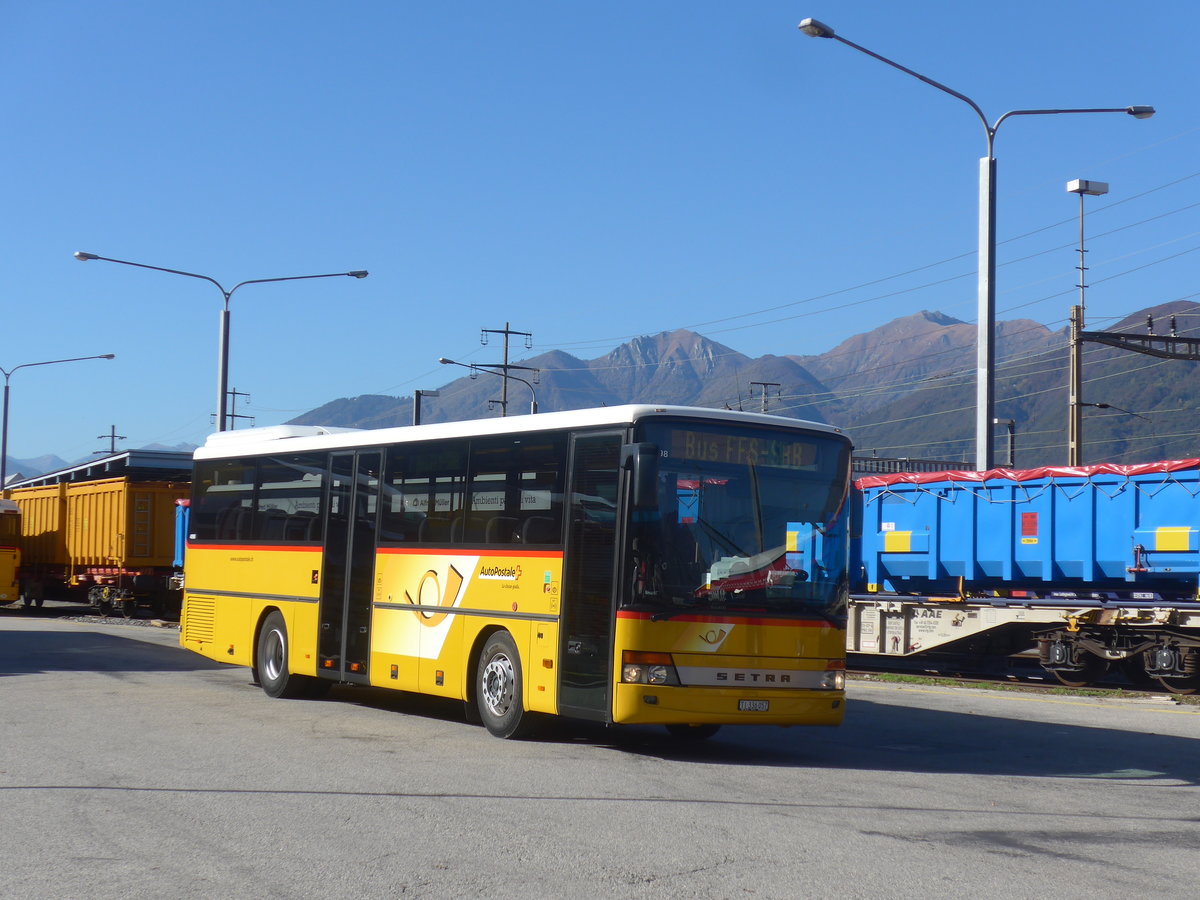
<point x="747" y="520"/>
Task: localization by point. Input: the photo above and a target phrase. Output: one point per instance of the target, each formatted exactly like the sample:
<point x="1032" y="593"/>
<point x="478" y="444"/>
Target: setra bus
<point x="10" y="551"/>
<point x="634" y="564"/>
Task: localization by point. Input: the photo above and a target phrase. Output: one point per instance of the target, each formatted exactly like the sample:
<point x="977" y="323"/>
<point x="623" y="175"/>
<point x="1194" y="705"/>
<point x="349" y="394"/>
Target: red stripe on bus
<point x="458" y="551"/>
<point x="301" y="548"/>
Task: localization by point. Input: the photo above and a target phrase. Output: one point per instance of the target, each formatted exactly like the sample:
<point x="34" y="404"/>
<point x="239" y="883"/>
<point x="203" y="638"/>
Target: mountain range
<point x="904" y="389"/>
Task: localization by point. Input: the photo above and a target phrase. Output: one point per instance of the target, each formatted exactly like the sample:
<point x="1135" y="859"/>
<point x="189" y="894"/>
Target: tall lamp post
<point x="223" y="340"/>
<point x="533" y="404"/>
<point x="985" y="352"/>
<point x="8" y="373"/>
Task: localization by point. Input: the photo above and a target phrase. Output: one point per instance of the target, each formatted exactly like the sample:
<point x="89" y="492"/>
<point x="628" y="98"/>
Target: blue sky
<point x="586" y="171"/>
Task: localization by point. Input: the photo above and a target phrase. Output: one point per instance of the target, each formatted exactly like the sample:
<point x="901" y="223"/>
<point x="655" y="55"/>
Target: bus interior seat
<point x="301" y="526"/>
<point x="502" y="530"/>
<point x="540" y="530"/>
<point x="434" y="531"/>
<point x="272" y="524"/>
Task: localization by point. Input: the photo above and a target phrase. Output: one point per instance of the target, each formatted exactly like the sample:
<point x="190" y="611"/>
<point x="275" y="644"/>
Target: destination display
<point x="742" y="449"/>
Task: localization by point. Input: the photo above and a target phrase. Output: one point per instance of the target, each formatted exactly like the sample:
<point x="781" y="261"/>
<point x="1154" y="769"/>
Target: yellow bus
<point x="635" y="564"/>
<point x="10" y="551"/>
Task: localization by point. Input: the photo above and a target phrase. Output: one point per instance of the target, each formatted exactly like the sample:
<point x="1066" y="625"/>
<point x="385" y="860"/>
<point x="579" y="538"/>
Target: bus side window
<point x="222" y="500"/>
<point x="424" y="493"/>
<point x="513" y="482"/>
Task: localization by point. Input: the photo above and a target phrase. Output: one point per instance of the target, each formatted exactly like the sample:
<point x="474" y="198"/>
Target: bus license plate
<point x="753" y="705"/>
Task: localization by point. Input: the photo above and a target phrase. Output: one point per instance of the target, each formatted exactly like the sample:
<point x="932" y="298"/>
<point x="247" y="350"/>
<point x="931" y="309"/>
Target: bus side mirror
<point x="641" y="461"/>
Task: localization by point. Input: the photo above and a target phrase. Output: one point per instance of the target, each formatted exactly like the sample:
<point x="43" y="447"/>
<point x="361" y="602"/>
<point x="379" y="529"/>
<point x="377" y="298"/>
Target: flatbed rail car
<point x="110" y="541"/>
<point x="629" y="565"/>
<point x="1092" y="566"/>
<point x="10" y="551"/>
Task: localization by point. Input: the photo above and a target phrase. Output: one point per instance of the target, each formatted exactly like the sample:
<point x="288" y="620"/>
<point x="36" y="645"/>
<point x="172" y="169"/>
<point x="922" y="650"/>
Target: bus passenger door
<point x="586" y="627"/>
<point x="348" y="573"/>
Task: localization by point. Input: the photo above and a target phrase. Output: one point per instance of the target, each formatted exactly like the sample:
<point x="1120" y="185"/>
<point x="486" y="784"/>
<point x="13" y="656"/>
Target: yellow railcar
<point x="10" y="551"/>
<point x="112" y="537"/>
<point x="630" y="565"/>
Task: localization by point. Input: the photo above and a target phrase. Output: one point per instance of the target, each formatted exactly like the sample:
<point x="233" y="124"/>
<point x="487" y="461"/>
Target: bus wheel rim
<point x="498" y="680"/>
<point x="273" y="664"/>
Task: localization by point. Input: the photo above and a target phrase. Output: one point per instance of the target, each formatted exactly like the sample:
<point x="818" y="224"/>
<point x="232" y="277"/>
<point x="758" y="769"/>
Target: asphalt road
<point x="132" y="768"/>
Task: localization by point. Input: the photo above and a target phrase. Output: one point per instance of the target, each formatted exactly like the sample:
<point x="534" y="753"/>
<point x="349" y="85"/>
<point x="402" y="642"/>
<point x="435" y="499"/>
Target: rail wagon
<point x="1093" y="566"/>
<point x="104" y="531"/>
<point x="10" y="551"/>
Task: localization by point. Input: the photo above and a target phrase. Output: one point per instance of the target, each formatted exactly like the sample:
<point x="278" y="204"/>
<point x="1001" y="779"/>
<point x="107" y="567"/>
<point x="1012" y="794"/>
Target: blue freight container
<point x="1036" y="530"/>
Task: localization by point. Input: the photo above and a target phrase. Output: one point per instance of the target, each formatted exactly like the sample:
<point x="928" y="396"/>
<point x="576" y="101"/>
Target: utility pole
<point x="112" y="437"/>
<point x="505" y="366"/>
<point x="233" y="413"/>
<point x="1075" y="387"/>
<point x="764" y="385"/>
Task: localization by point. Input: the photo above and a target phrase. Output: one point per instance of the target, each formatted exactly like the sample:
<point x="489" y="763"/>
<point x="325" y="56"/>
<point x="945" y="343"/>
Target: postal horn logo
<point x="431" y="598"/>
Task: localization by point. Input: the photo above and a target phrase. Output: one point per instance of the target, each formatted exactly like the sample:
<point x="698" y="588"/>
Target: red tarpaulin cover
<point x="1163" y="467"/>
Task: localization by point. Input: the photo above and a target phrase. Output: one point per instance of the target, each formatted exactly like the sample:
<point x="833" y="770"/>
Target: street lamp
<point x="417" y="395"/>
<point x="475" y="367"/>
<point x="8" y="373"/>
<point x="985" y="359"/>
<point x="223" y="341"/>
<point x="1075" y="379"/>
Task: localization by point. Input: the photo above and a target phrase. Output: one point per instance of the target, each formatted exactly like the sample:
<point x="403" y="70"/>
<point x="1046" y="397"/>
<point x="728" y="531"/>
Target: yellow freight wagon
<point x="114" y="538"/>
<point x="10" y="552"/>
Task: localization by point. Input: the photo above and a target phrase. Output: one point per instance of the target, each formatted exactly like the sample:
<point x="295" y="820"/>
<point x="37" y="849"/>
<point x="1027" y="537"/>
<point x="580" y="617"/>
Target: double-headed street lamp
<point x="8" y="373"/>
<point x="985" y="364"/>
<point x="223" y="341"/>
<point x="475" y="367"/>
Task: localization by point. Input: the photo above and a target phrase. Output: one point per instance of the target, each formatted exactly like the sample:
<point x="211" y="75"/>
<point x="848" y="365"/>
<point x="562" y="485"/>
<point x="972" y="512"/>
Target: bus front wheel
<point x="271" y="661"/>
<point x="498" y="688"/>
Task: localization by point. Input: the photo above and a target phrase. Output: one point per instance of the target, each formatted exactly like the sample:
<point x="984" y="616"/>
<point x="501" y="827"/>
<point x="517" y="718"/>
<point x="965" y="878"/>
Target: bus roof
<point x="254" y="441"/>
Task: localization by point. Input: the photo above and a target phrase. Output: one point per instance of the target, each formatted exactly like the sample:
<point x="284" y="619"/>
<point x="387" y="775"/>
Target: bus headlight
<point x="833" y="681"/>
<point x="647" y="668"/>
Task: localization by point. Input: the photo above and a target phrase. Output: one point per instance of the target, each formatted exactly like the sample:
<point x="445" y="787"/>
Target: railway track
<point x="1017" y="671"/>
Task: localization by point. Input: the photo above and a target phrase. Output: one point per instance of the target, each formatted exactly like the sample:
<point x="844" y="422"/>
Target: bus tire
<point x="498" y="687"/>
<point x="271" y="661"/>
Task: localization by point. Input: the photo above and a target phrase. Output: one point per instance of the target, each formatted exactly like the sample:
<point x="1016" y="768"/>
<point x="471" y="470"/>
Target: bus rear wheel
<point x="498" y="688"/>
<point x="271" y="661"/>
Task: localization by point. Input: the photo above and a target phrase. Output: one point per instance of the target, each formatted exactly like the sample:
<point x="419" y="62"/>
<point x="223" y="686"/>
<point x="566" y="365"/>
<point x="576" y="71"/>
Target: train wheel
<point x="1186" y="684"/>
<point x="1093" y="668"/>
<point x="128" y="607"/>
